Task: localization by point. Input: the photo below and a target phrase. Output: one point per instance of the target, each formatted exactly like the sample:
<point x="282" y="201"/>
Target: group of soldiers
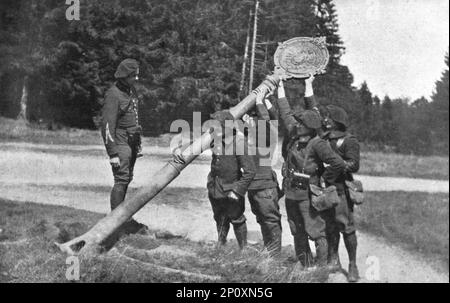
<point x="317" y="150"/>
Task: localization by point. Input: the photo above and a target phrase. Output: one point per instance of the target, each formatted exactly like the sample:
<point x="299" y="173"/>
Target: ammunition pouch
<point x="355" y="191"/>
<point x="324" y="198"/>
<point x="134" y="136"/>
<point x="299" y="180"/>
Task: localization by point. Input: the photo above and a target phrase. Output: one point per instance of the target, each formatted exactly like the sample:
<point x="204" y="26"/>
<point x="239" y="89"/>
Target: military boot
<point x="302" y="250"/>
<point x="334" y="263"/>
<point x="118" y="193"/>
<point x="240" y="231"/>
<point x="223" y="228"/>
<point x="351" y="245"/>
<point x="322" y="251"/>
<point x="274" y="244"/>
<point x="265" y="232"/>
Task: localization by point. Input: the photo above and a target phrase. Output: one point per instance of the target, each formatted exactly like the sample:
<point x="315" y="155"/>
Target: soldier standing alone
<point x="120" y="128"/>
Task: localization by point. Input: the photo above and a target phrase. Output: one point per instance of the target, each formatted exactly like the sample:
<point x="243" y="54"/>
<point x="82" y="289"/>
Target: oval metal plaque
<point x="299" y="57"/>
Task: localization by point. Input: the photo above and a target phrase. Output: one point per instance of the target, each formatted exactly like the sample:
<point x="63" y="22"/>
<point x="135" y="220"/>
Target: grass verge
<point x="27" y="253"/>
<point x="410" y="166"/>
<point x="372" y="163"/>
<point x="417" y="221"/>
<point x="18" y="131"/>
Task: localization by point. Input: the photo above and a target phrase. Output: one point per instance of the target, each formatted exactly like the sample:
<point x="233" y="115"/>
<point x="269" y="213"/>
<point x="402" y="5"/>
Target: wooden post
<point x="90" y="242"/>
<point x="244" y="63"/>
<point x="252" y="60"/>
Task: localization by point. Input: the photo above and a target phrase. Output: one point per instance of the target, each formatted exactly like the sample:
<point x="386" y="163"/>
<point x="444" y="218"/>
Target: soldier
<point x="302" y="104"/>
<point x="306" y="154"/>
<point x="340" y="219"/>
<point x="120" y="129"/>
<point x="309" y="102"/>
<point x="264" y="192"/>
<point x="227" y="185"/>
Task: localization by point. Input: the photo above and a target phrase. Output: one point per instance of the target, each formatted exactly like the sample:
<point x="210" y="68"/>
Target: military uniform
<point x="230" y="173"/>
<point x="121" y="134"/>
<point x="264" y="192"/>
<point x="347" y="147"/>
<point x="340" y="219"/>
<point x="310" y="103"/>
<point x="307" y="155"/>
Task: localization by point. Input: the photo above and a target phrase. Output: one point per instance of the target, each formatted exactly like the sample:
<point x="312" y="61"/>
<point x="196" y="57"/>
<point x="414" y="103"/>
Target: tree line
<point x="55" y="72"/>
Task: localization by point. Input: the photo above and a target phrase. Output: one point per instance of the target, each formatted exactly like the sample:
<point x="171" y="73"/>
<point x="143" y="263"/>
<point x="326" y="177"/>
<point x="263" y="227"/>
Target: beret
<point x="338" y="114"/>
<point x="311" y="119"/>
<point x="126" y="68"/>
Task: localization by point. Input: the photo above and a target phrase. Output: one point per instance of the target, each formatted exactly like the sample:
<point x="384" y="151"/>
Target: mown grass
<point x="411" y="166"/>
<point x="372" y="163"/>
<point x="27" y="253"/>
<point x="18" y="131"/>
<point x="417" y="221"/>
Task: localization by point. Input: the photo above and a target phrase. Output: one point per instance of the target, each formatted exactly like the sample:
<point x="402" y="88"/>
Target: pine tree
<point x="377" y="125"/>
<point x="366" y="114"/>
<point x="390" y="121"/>
<point x="335" y="86"/>
<point x="439" y="104"/>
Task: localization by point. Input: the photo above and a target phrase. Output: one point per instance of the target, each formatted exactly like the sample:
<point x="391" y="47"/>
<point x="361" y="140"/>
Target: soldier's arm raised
<point x="268" y="113"/>
<point x="262" y="109"/>
<point x="248" y="167"/>
<point x="286" y="114"/>
<point x="310" y="100"/>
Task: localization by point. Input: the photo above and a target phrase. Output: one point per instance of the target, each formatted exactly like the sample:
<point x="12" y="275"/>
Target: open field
<point x="372" y="163"/>
<point x="417" y="221"/>
<point x="410" y="166"/>
<point x="27" y="253"/>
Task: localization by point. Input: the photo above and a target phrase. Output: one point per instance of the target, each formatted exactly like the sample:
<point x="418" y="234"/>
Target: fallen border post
<point x="295" y="58"/>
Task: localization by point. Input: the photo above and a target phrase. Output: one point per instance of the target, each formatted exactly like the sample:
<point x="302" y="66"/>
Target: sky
<point x="397" y="46"/>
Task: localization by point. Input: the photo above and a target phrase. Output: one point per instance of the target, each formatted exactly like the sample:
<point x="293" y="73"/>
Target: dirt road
<point x="30" y="173"/>
<point x="34" y="163"/>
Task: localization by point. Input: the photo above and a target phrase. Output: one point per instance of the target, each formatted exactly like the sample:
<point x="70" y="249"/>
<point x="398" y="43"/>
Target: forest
<point x="54" y="72"/>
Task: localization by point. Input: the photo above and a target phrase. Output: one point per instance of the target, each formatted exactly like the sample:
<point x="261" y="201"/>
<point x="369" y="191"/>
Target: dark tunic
<point x="230" y="173"/>
<point x="341" y="217"/>
<point x="119" y="127"/>
<point x="119" y="114"/>
<point x="316" y="151"/>
<point x="347" y="147"/>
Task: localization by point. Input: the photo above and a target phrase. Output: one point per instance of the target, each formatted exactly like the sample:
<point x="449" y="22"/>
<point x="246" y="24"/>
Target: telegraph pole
<point x="252" y="60"/>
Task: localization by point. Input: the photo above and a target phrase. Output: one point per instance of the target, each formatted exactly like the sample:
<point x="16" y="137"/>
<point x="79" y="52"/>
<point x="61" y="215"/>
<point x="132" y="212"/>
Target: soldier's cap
<point x="310" y="118"/>
<point x="126" y="68"/>
<point x="338" y="114"/>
